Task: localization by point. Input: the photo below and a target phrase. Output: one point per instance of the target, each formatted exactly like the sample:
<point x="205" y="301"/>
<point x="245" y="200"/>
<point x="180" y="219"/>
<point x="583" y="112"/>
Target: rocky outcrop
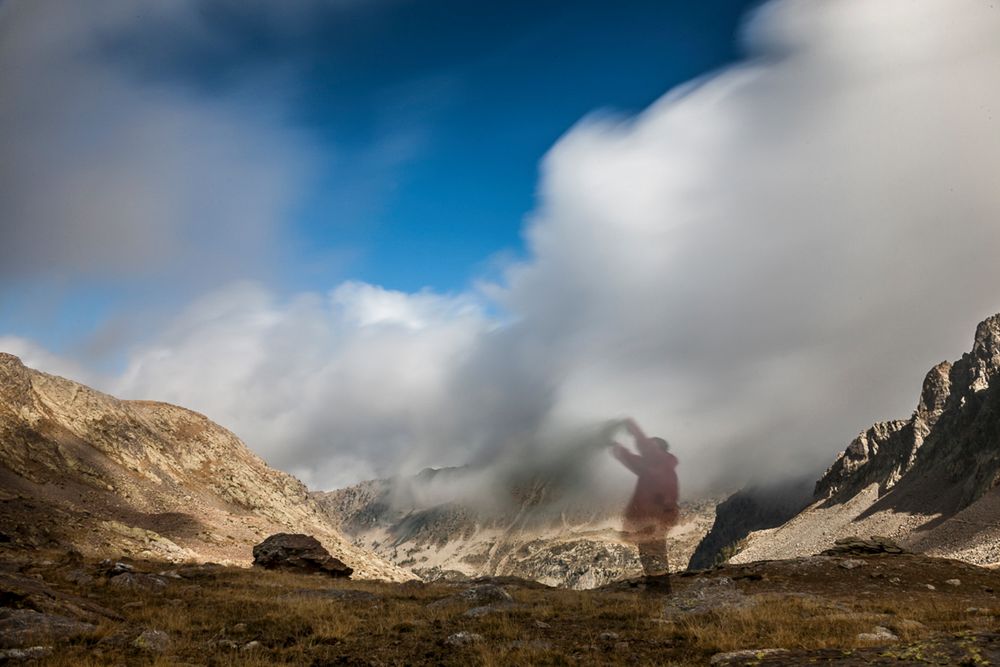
<point x="952" y="439"/>
<point x="858" y="546"/>
<point x="886" y="451"/>
<point x="82" y="469"/>
<point x="297" y="553"/>
<point x="929" y="482"/>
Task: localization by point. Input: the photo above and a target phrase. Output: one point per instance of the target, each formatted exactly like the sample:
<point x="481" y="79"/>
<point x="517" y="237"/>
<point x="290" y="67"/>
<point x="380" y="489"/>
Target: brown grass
<point x="211" y="618"/>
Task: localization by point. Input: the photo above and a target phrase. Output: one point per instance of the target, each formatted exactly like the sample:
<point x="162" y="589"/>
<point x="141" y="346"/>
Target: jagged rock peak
<point x="8" y="359"/>
<point x="15" y="380"/>
<point x="984" y="360"/>
<point x="887" y="450"/>
<point x="11" y="367"/>
<point x="987" y="344"/>
<point x="935" y="392"/>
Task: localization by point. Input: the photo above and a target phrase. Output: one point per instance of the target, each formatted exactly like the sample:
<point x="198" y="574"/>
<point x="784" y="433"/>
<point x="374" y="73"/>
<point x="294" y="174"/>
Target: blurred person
<point x="653" y="510"/>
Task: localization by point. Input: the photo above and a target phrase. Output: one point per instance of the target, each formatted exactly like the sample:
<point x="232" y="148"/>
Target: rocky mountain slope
<point x="536" y="528"/>
<point x="105" y="476"/>
<point x="930" y="481"/>
<point x="755" y="507"/>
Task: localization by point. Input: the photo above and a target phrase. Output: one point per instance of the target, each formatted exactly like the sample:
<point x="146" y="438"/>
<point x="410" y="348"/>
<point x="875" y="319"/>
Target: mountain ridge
<point x="916" y="480"/>
<point x="108" y="476"/>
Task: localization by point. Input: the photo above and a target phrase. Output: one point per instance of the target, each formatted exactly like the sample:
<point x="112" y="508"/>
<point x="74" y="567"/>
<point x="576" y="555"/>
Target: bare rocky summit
<point x="929" y="482"/>
<point x="82" y="469"/>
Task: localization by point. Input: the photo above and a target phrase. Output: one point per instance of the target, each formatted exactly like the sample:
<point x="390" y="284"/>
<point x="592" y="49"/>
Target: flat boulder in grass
<point x="296" y="552"/>
<point x="857" y="546"/>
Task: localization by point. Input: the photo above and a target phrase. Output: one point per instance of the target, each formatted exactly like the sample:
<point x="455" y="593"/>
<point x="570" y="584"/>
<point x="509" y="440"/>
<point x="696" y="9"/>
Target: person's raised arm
<point x="633" y="428"/>
<point x="629" y="459"/>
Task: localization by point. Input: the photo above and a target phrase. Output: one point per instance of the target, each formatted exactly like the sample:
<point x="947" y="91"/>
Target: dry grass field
<point x="827" y="610"/>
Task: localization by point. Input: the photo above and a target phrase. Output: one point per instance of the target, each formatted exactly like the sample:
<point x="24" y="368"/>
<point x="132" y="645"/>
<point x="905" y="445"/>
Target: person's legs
<point x="651" y="542"/>
<point x="653" y="555"/>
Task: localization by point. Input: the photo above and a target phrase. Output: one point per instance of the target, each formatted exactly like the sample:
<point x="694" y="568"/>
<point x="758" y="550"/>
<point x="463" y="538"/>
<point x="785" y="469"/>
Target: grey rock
<point x="154" y="641"/>
<point x="857" y="546"/>
<point x="851" y="563"/>
<point x="138" y="582"/>
<point x="30" y="653"/>
<point x="878" y="634"/>
<point x="21" y="628"/>
<point x="953" y="582"/>
<point x="745" y="657"/>
<point x="463" y="639"/>
<point x="485" y="594"/>
<point x="112" y="568"/>
<point x="297" y="552"/>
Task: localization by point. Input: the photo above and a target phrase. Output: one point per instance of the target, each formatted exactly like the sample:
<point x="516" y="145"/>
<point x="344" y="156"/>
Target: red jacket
<point x="655" y="497"/>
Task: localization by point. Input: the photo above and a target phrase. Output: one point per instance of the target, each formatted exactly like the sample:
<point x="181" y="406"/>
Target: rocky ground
<point x="849" y="608"/>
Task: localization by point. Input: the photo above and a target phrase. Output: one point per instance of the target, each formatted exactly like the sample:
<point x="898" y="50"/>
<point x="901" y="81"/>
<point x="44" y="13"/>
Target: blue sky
<point x="427" y="121"/>
<point x="481" y="91"/>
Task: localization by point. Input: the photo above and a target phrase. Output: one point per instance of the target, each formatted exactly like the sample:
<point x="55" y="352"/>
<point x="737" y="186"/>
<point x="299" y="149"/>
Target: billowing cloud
<point x="756" y="267"/>
<point x="767" y="260"/>
<point x="107" y="172"/>
<point x="333" y="387"/>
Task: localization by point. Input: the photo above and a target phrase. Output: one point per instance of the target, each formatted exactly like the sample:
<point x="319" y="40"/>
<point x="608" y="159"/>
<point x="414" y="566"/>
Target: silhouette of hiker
<point x="652" y="511"/>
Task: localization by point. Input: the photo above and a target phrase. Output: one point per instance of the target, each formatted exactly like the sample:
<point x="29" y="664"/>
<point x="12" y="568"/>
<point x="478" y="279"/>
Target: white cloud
<point x="761" y="264"/>
<point x="110" y="173"/>
<point x="331" y="387"/>
<point x="757" y="267"/>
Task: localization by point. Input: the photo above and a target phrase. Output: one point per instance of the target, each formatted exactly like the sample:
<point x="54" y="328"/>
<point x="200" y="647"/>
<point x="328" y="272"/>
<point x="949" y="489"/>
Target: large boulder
<point x="21" y="628"/>
<point x="298" y="553"/>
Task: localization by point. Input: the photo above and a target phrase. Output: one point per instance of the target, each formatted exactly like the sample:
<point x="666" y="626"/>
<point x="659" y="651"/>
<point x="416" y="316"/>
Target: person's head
<point x="661" y="443"/>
